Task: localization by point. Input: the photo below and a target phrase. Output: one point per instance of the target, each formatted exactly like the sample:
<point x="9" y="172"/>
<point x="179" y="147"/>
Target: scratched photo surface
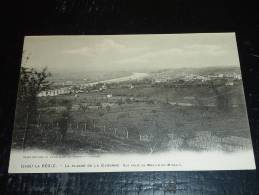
<point x="130" y="103"/>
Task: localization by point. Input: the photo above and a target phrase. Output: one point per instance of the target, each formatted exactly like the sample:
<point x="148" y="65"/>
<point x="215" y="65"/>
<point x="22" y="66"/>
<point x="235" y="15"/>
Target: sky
<point x="129" y="52"/>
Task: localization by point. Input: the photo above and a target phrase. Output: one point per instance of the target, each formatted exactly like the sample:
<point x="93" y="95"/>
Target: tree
<point x="66" y="103"/>
<point x="83" y="108"/>
<point x="222" y="97"/>
<point x="31" y="83"/>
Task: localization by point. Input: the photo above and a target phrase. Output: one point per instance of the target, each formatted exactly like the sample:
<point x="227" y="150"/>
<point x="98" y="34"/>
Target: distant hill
<point x="78" y="77"/>
<point x="174" y="73"/>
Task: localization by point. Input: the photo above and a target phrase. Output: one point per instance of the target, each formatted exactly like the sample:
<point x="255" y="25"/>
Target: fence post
<point x="38" y="121"/>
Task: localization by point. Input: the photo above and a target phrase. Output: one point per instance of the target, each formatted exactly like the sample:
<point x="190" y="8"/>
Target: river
<point x="134" y="76"/>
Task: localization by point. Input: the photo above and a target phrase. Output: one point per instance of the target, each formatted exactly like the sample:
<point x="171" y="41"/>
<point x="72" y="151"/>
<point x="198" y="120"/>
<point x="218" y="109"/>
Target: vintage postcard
<point x="114" y="103"/>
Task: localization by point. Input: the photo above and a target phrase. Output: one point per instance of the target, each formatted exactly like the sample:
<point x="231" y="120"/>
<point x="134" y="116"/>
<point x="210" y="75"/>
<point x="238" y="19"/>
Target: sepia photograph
<point x="156" y="102"/>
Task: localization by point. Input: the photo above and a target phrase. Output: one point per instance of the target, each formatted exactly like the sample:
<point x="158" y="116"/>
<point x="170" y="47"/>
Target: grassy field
<point x="138" y="120"/>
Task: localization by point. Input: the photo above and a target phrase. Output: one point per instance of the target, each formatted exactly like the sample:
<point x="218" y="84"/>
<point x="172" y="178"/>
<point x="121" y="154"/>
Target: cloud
<point x="96" y="48"/>
<point x="189" y="51"/>
<point x="109" y="44"/>
<point x="214" y="50"/>
<point x="81" y="51"/>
